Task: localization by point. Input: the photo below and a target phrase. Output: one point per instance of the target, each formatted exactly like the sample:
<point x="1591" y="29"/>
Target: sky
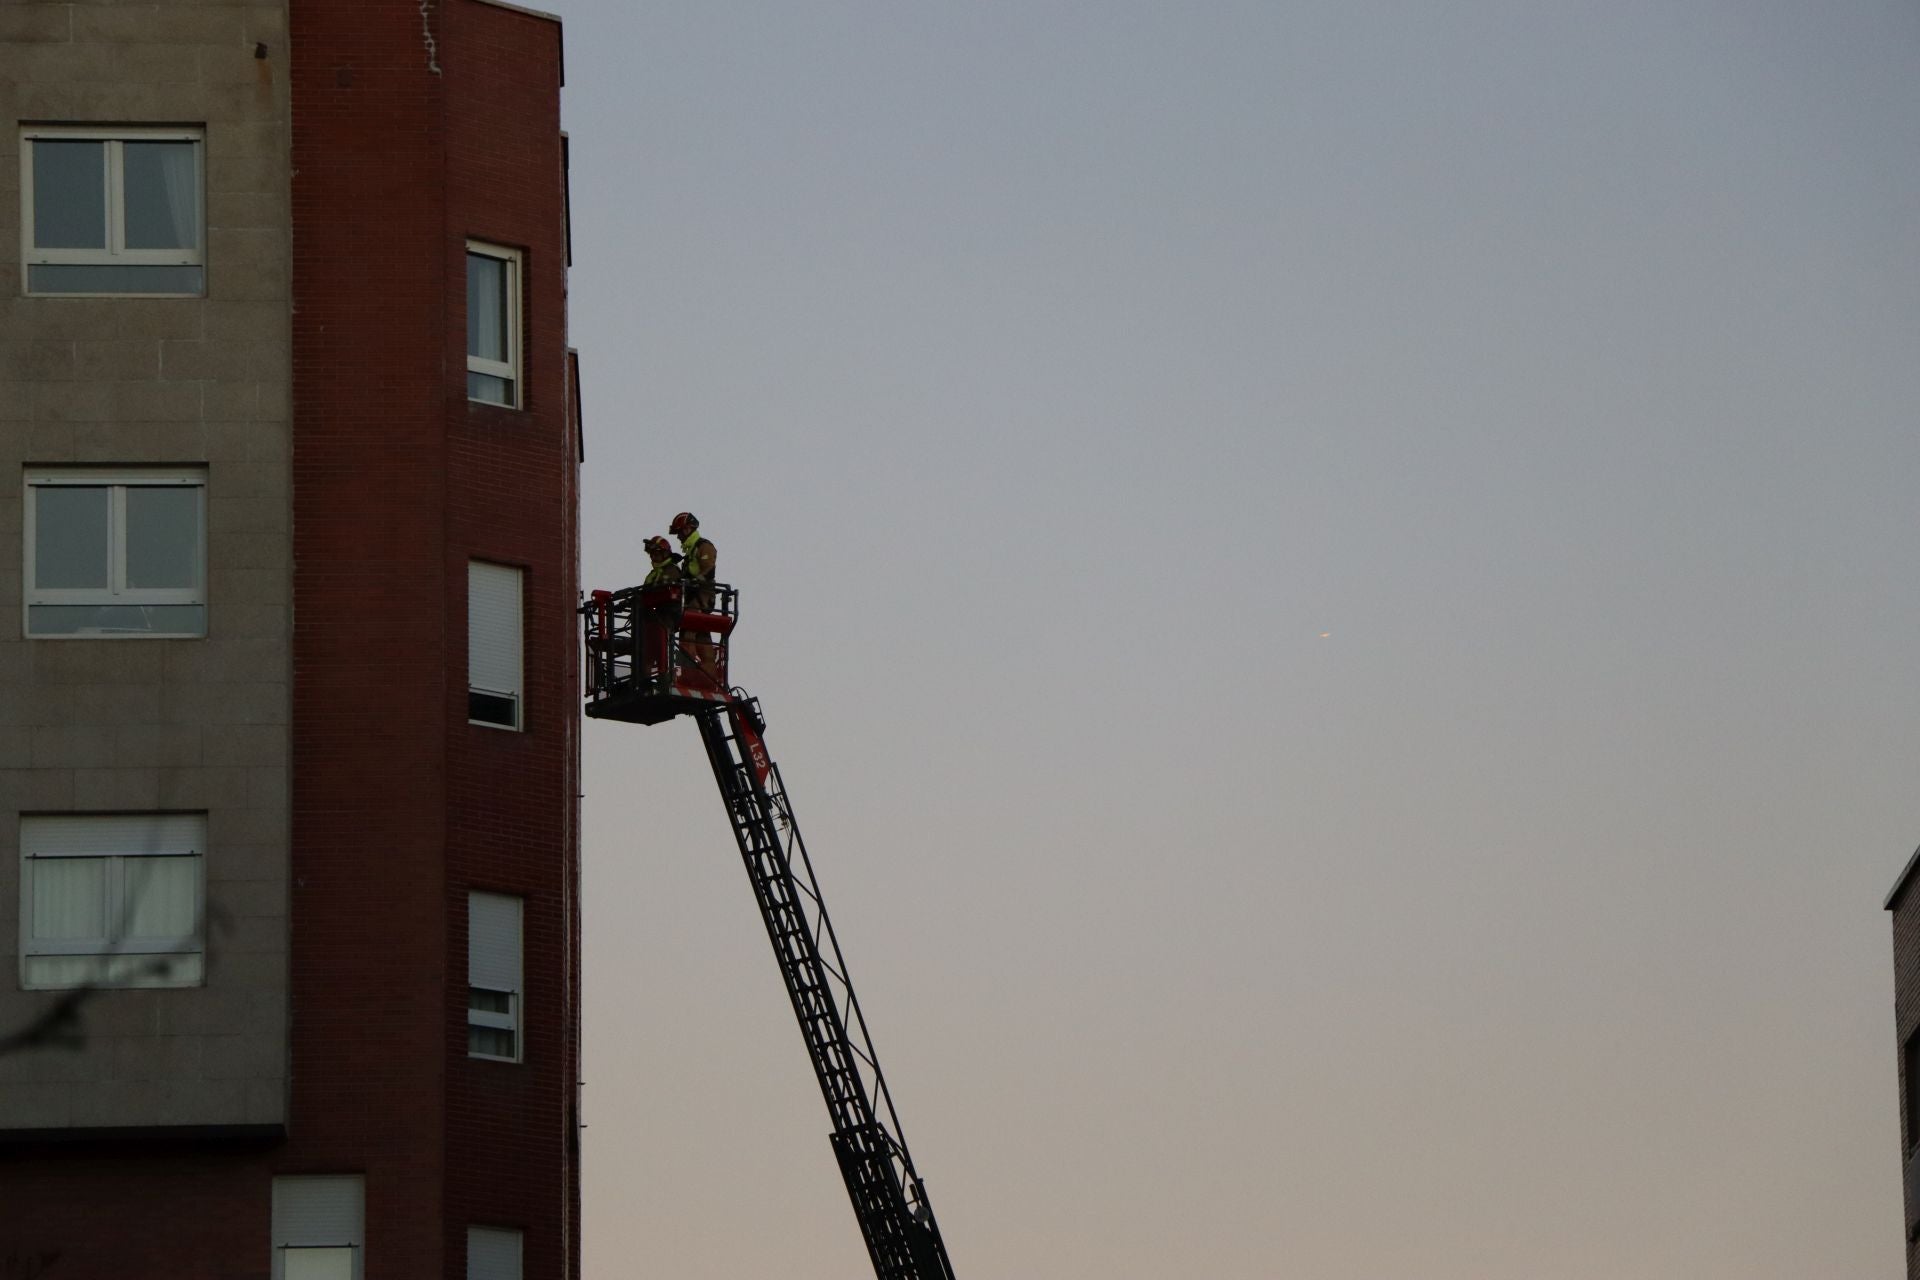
<point x="1333" y="585"/>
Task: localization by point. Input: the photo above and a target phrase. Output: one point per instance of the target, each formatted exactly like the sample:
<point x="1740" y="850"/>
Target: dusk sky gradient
<point x="1334" y="585"/>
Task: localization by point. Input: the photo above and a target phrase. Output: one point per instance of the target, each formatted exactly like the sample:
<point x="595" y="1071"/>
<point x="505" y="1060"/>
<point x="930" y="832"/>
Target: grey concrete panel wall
<point x="106" y="725"/>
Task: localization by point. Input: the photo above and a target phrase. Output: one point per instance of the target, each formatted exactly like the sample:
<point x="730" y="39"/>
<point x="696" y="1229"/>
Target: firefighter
<point x="651" y="633"/>
<point x="660" y="551"/>
<point x="697" y="560"/>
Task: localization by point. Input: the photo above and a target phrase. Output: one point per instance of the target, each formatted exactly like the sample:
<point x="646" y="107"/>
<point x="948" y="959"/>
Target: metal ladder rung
<point x="873" y="1161"/>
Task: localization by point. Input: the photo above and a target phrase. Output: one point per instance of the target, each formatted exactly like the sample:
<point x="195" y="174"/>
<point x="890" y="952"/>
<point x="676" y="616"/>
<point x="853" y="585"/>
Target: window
<point x="112" y="901"/>
<point x="493" y="645"/>
<point x="1910" y="1106"/>
<point x="316" y="1262"/>
<point x="493" y="1253"/>
<point x="493" y="324"/>
<point x="493" y="976"/>
<point x="116" y="553"/>
<point x="319" y="1228"/>
<point x="1910" y="1065"/>
<point x="113" y="210"/>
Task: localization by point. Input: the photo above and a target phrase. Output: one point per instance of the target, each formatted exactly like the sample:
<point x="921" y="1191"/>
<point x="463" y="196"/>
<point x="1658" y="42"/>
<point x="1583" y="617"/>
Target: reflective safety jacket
<point x="698" y="557"/>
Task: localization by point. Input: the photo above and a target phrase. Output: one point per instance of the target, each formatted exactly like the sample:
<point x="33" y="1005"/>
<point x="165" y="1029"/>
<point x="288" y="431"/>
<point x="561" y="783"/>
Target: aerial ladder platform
<point x="654" y="653"/>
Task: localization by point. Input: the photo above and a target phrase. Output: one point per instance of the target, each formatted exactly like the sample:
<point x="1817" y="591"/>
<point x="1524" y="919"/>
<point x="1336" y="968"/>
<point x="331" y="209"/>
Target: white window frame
<point x="116" y="592"/>
<point x="507" y="984"/>
<point x="116" y="252"/>
<point x="187" y="839"/>
<point x="518" y="615"/>
<point x="508" y="370"/>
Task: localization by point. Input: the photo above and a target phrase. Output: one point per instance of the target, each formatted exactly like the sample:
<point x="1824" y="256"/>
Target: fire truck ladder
<point x="658" y="652"/>
<point x="888" y="1196"/>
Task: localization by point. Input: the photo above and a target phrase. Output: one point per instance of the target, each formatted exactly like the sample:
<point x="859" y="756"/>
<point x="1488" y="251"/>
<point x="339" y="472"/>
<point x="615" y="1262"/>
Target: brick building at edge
<point x="1905" y="906"/>
<point x="289" y="742"/>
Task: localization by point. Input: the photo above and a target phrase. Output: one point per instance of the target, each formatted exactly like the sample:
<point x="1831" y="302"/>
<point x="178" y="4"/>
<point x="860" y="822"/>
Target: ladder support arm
<point x="889" y="1200"/>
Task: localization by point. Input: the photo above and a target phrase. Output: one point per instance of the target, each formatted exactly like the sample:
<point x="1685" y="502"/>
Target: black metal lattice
<point x="889" y="1199"/>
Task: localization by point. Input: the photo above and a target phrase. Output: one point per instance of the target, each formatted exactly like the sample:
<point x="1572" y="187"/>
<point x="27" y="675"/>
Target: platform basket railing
<point x="636" y="639"/>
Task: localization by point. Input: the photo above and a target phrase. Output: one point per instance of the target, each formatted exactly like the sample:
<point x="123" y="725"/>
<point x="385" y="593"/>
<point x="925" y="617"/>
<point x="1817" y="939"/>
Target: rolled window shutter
<point x="82" y="834"/>
<point x="493" y="628"/>
<point x="493" y="1253"/>
<point x="493" y="941"/>
<point x="318" y="1211"/>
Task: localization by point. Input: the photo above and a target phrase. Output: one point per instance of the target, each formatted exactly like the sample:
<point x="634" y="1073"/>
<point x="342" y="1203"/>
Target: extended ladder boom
<point x="888" y="1197"/>
<point x="655" y="652"/>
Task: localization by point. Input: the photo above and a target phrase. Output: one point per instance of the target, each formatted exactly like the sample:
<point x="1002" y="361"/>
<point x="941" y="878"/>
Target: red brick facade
<point x="511" y="499"/>
<point x="404" y="148"/>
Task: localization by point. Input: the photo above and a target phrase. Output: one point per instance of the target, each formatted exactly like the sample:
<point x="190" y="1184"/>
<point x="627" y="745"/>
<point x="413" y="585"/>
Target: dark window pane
<point x="163" y="536"/>
<point x="69" y="900"/>
<point x="494" y="1042"/>
<point x="162" y="897"/>
<point x="162" y="194"/>
<point x="69" y="195"/>
<point x="492" y="708"/>
<point x="486" y="307"/>
<point x="492" y="390"/>
<point x="116" y="619"/>
<point x="70" y="537"/>
<point x="46" y="277"/>
<point x="1910" y="1063"/>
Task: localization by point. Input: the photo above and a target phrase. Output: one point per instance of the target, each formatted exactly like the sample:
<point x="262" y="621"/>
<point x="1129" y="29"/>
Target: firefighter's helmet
<point x="658" y="546"/>
<point x="684" y="523"/>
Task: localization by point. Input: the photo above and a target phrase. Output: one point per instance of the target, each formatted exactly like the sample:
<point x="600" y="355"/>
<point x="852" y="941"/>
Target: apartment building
<point x="289" y="445"/>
